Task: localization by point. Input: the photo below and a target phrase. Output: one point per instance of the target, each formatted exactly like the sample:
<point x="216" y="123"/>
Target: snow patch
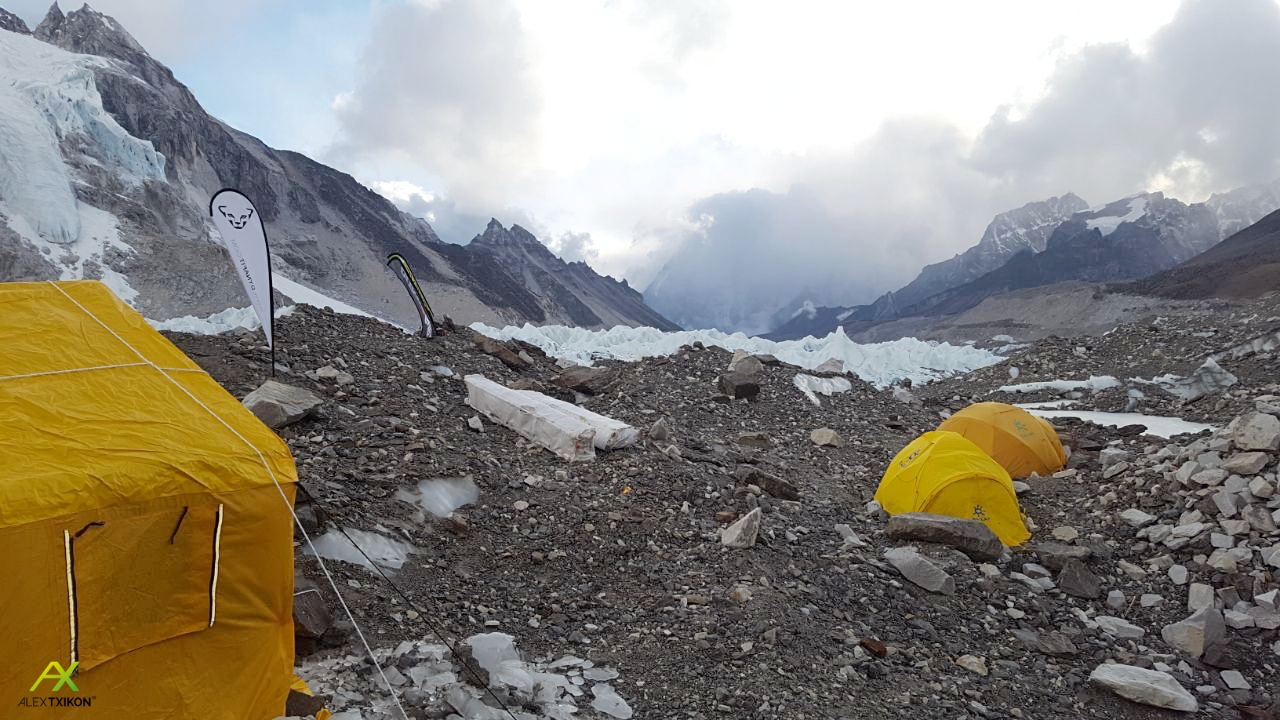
<point x="300" y="293"/>
<point x="1094" y="383"/>
<point x="388" y="553"/>
<point x="808" y="309"/>
<point x="1157" y="425"/>
<point x="877" y="363"/>
<point x="1108" y="225"/>
<point x="226" y="321"/>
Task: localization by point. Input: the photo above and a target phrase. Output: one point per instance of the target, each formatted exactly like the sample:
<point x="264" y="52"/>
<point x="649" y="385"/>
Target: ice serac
<point x="117" y="161"/>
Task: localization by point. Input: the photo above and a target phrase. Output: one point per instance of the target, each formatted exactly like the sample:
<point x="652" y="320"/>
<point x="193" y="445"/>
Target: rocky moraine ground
<point x="1155" y="553"/>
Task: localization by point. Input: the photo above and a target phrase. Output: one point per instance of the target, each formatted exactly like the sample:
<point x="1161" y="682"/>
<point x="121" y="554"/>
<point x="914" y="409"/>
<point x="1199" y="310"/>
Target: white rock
<point x="1237" y="620"/>
<point x="1199" y="597"/>
<point x="1150" y="600"/>
<point x="1065" y="533"/>
<point x="973" y="664"/>
<point x="1136" y="518"/>
<point x="1234" y="680"/>
<point x="1109" y="456"/>
<point x="1115" y="600"/>
<point x="1119" y="627"/>
<point x="1228" y="504"/>
<point x="1268" y="600"/>
<point x="1178" y="574"/>
<point x="609" y="702"/>
<point x="1257" y="431"/>
<point x="743" y="533"/>
<point x="1149" y="687"/>
<point x="919" y="570"/>
<point x="1261" y="488"/>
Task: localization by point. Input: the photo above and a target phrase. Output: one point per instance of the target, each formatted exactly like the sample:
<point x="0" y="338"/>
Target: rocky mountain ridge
<point x="1123" y="240"/>
<point x="135" y="158"/>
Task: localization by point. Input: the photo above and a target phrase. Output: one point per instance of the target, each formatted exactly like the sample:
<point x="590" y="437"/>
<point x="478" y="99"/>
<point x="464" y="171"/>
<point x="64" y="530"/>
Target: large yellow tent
<point x="1021" y="442"/>
<point x="941" y="472"/>
<point x="145" y="530"/>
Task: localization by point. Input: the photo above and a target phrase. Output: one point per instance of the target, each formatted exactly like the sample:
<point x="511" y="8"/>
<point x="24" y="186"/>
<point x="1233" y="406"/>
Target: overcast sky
<point x="614" y="128"/>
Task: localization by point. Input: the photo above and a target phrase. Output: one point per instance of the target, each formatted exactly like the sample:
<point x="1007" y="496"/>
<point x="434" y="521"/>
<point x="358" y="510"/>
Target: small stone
<point x="1065" y="533"/>
<point x="1228" y="504"/>
<point x="920" y="570"/>
<point x="1178" y="574"/>
<point x="743" y="533"/>
<point x="475" y="423"/>
<point x="1076" y="579"/>
<point x="1234" y="680"/>
<point x="973" y="664"/>
<point x="1115" y="600"/>
<point x="1150" y="600"/>
<point x="1136" y="518"/>
<point x="739" y="386"/>
<point x="1237" y="620"/>
<point x="1261" y="488"/>
<point x="1149" y="687"/>
<point x="1054" y="555"/>
<point x="520" y="505"/>
<point x="1109" y="456"/>
<point x="1199" y="597"/>
<point x="1114" y="470"/>
<point x="1119" y="627"/>
<point x="660" y="431"/>
<point x="825" y="437"/>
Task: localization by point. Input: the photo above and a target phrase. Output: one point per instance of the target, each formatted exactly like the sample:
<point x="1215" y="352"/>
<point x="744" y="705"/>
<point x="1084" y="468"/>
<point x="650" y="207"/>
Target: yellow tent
<point x="943" y="473"/>
<point x="145" y="531"/>
<point x="1021" y="442"/>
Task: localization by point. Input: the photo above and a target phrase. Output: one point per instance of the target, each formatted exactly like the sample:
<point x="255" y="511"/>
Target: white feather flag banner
<point x="240" y="226"/>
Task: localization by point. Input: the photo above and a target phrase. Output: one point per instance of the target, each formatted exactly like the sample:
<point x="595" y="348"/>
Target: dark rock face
<point x="12" y="23"/>
<point x="325" y="228"/>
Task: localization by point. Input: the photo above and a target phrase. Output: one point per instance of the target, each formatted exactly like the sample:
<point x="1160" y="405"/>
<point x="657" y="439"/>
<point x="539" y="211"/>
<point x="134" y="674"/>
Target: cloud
<point x="574" y="247"/>
<point x="1190" y="114"/>
<point x="449" y="87"/>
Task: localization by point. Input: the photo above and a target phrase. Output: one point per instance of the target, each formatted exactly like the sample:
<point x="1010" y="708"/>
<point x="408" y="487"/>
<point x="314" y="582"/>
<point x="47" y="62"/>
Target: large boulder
<point x="968" y="536"/>
<point x="502" y="351"/>
<point x="311" y="617"/>
<point x="587" y="380"/>
<point x="1149" y="687"/>
<point x="739" y="385"/>
<point x="277" y="404"/>
<point x="1257" y="431"/>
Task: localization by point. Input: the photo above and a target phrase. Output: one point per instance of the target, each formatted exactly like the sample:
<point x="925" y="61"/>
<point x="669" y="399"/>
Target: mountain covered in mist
<point x="108" y="164"/>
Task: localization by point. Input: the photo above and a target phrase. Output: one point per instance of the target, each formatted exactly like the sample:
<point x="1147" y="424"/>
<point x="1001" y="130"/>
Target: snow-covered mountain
<point x="1122" y="240"/>
<point x="107" y="164"/>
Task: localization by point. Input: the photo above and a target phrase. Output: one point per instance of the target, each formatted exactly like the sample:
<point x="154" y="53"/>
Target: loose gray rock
<point x="1076" y="579"/>
<point x="920" y="570"/>
<point x="739" y="386"/>
<point x="1246" y="463"/>
<point x="826" y="437"/>
<point x="968" y="536"/>
<point x="277" y="404"/>
<point x="1149" y="687"/>
<point x="1197" y="633"/>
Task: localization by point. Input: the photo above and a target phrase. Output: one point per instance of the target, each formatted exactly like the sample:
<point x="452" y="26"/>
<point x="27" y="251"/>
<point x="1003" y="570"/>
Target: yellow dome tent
<point x="1021" y="442"/>
<point x="943" y="473"/>
<point x="146" y="542"/>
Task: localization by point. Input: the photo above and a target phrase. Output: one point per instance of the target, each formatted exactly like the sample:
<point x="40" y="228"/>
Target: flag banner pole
<point x="402" y="270"/>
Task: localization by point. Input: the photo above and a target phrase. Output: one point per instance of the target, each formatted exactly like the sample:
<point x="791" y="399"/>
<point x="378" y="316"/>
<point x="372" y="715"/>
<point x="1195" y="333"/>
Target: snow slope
<point x="49" y="104"/>
<point x="880" y="363"/>
<point x="244" y="318"/>
<point x="1108" y="224"/>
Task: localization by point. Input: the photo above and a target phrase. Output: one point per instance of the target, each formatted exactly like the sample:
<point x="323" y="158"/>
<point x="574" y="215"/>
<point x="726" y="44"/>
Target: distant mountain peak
<point x="88" y="31"/>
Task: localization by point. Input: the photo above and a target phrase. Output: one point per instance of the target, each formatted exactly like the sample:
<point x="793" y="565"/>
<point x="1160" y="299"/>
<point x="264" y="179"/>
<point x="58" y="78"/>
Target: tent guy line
<point x="270" y="473"/>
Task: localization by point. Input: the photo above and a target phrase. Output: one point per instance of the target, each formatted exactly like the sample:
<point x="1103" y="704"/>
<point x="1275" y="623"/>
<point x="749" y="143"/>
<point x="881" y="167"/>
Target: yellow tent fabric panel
<point x="942" y="472"/>
<point x="1021" y="442"/>
<point x="142" y="530"/>
<point x="131" y="428"/>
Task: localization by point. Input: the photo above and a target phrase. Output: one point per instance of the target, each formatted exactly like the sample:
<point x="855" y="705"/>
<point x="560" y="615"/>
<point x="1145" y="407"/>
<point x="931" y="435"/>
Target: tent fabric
<point x="943" y="473"/>
<point x="1021" y="442"/>
<point x="145" y="523"/>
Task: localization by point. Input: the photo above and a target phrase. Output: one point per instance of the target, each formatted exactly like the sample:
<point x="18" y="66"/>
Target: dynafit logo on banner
<point x="240" y="226"/>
